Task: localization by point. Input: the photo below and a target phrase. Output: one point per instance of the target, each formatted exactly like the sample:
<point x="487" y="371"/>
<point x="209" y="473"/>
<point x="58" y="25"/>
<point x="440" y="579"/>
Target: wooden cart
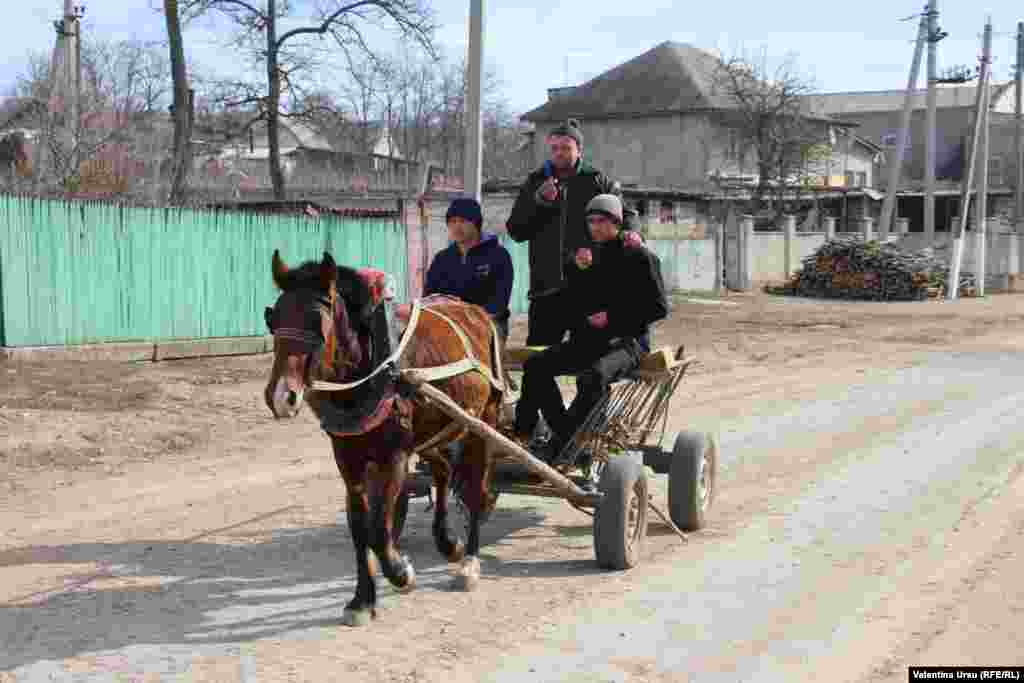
<point x="610" y="459"/>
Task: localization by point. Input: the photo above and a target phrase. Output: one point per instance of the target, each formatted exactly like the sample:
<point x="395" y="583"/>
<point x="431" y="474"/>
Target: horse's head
<point x="314" y="337"/>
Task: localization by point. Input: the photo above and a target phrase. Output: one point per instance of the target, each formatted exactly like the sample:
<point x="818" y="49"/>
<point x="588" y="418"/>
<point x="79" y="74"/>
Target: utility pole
<point x="473" y="164"/>
<point x="929" y="124"/>
<point x="953" y="279"/>
<point x="1018" y="69"/>
<point x="981" y="238"/>
<point x="897" y="164"/>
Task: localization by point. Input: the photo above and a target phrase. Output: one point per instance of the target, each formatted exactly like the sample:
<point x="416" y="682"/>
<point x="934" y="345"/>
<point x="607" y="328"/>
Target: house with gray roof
<point x="878" y="115"/>
<point x="659" y="121"/>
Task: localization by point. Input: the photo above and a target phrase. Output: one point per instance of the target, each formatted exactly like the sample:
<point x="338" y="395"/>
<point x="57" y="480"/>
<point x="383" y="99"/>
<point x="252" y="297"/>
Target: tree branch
<point x="325" y="25"/>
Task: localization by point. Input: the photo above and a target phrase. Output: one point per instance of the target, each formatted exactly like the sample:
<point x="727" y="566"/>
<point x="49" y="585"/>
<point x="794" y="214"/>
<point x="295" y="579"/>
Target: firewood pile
<point x="851" y="268"/>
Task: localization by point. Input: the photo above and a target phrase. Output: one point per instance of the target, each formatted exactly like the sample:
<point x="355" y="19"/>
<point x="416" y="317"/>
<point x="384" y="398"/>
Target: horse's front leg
<point x="452" y="550"/>
<point x="477" y="465"/>
<point x="362" y="607"/>
<point x="397" y="569"/>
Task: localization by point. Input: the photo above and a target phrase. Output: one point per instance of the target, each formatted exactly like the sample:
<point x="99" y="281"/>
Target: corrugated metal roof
<point x="946" y="97"/>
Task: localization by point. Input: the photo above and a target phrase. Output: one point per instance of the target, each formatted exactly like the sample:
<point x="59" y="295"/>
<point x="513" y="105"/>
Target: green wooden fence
<point x="77" y="273"/>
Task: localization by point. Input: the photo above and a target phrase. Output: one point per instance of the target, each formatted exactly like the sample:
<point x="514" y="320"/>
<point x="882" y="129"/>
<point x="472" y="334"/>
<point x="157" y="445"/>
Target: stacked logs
<point x="851" y="268"/>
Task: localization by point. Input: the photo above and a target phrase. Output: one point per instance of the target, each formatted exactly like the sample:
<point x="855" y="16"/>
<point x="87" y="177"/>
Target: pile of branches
<point x="852" y="268"/>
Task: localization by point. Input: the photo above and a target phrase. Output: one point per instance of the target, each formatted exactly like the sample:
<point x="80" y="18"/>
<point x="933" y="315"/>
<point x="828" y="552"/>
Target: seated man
<point x="475" y="267"/>
<point x="614" y="302"/>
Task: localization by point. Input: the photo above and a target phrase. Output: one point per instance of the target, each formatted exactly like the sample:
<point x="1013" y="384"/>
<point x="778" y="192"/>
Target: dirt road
<point x="156" y="525"/>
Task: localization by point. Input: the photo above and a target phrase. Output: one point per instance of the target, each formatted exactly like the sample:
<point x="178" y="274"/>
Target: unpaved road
<point x="156" y="526"/>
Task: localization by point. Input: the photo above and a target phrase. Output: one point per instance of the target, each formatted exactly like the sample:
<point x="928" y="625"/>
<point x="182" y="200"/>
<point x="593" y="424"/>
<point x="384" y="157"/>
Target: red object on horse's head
<point x="377" y="281"/>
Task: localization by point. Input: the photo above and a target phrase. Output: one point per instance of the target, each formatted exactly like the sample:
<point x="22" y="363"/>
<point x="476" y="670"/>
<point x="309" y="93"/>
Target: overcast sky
<point x="536" y="45"/>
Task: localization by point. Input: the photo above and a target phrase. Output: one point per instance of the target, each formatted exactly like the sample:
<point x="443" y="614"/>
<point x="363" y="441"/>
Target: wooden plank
<point x="498" y="440"/>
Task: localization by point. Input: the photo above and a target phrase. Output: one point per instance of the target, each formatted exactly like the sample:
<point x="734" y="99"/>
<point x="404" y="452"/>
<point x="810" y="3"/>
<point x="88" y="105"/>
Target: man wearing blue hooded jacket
<point x="475" y="267"/>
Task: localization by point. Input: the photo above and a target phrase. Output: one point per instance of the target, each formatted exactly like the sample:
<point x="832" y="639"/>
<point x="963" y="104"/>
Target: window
<point x="851" y="181"/>
<point x="862" y="179"/>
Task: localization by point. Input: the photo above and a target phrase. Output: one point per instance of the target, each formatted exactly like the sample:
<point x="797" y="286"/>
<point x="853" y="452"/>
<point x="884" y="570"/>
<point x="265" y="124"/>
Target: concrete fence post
<point x="747" y="252"/>
<point x="719" y="258"/>
<point x="902" y="227"/>
<point x="830" y="227"/>
<point x="867" y="228"/>
<point x="789" y="233"/>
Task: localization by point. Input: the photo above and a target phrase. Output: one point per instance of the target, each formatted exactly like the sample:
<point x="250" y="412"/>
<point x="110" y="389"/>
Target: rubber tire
<point x="684" y="502"/>
<point x="620" y="479"/>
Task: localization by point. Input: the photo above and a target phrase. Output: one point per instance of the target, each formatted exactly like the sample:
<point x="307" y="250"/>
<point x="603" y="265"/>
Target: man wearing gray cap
<point x="610" y="306"/>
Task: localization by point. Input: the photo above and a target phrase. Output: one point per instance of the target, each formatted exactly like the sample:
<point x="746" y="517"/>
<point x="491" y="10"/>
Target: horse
<point x="322" y="327"/>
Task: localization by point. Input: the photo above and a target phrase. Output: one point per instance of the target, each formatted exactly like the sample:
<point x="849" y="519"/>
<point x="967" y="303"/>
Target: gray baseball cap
<point x="607" y="204"/>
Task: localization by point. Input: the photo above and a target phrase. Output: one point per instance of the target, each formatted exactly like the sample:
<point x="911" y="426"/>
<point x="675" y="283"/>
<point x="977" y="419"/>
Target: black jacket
<point x="555" y="231"/>
<point x="627" y="284"/>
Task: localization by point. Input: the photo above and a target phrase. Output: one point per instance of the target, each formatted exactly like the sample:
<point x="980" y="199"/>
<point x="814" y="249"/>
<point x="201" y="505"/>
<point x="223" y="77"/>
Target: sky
<point x="534" y="45"/>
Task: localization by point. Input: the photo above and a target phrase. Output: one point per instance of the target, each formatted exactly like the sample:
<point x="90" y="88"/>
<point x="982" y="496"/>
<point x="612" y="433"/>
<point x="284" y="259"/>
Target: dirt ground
<point x="64" y="420"/>
<point x="126" y="463"/>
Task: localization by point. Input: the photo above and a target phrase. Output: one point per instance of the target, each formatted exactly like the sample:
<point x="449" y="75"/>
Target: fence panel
<point x="75" y="273"/>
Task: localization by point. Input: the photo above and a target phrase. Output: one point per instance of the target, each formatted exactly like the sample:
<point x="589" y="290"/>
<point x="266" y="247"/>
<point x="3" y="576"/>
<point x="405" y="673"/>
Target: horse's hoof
<point x="467" y="577"/>
<point x="358" y="617"/>
<point x="410" y="579"/>
<point x="458" y="553"/>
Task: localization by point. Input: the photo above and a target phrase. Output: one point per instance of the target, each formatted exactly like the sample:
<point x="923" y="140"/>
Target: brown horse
<point x="322" y="324"/>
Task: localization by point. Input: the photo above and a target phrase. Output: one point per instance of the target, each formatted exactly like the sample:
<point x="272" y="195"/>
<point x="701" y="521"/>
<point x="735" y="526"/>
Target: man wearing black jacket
<point x="549" y="214"/>
<point x="612" y="302"/>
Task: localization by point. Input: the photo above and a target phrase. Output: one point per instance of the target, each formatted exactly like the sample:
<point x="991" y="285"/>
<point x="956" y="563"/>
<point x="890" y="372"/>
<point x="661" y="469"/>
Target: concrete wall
<point x="686" y="264"/>
<point x="769" y="257"/>
<point x="673" y="150"/>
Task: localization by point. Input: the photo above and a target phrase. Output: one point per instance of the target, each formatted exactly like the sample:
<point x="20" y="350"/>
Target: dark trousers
<point x="595" y="366"/>
<point x="547" y="319"/>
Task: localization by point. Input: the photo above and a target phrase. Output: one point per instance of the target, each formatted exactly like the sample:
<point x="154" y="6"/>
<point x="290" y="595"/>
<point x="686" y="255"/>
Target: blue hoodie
<point x="483" y="277"/>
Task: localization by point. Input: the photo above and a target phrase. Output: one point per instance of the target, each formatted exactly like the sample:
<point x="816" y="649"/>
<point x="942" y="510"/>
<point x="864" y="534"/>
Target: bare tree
<point x="181" y="156"/>
<point x="286" y="55"/>
<point x="121" y="80"/>
<point x="769" y="116"/>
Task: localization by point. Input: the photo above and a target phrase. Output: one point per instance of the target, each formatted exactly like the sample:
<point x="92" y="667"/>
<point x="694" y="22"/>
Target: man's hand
<point x="631" y="238"/>
<point x="598" y="320"/>
<point x="584" y="258"/>
<point x="549" y="190"/>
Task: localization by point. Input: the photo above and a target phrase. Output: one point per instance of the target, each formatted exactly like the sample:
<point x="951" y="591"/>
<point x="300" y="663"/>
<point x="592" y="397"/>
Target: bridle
<point x="312" y="342"/>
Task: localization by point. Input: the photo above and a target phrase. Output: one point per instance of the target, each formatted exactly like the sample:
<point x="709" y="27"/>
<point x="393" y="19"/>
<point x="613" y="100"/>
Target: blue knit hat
<point x="468" y="208"/>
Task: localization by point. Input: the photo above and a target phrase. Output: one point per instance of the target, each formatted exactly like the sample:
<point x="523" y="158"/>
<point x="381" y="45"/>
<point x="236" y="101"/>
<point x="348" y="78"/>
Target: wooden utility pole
<point x="982" y="212"/>
<point x="473" y="162"/>
<point x="1018" y="69"/>
<point x="892" y="187"/>
<point x="929" y="125"/>
<point x="953" y="279"/>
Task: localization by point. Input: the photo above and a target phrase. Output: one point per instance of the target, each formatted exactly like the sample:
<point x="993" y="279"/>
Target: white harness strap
<point x="468" y="364"/>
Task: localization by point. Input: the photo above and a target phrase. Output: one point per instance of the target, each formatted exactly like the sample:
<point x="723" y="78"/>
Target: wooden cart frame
<point x="611" y="459"/>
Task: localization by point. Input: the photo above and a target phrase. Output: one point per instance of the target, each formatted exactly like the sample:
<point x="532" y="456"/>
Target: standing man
<point x="549" y="214"/>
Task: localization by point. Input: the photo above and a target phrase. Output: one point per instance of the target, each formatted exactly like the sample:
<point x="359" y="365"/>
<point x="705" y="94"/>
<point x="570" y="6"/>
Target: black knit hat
<point x="468" y="208"/>
<point x="570" y="129"/>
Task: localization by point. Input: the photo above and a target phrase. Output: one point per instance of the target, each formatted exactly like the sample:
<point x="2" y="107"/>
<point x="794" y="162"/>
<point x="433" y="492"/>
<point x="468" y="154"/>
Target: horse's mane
<point x="354" y="290"/>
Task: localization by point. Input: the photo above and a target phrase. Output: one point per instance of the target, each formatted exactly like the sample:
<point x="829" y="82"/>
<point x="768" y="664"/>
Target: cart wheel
<point x="691" y="479"/>
<point x="620" y="520"/>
